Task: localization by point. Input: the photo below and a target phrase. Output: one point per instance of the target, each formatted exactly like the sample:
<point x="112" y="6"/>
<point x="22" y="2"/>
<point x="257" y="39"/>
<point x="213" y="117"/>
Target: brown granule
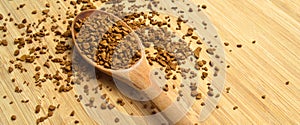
<point x="10" y="69"/>
<point x="34" y="12"/>
<point x="47" y="5"/>
<point x="37" y="109"/>
<point x="226" y="44"/>
<point x="103" y="106"/>
<point x="18" y="90"/>
<point x="3" y="42"/>
<point x="50" y="114"/>
<point x="110" y="106"/>
<point x="227" y="89"/>
<point x="117" y="120"/>
<point x="202" y="104"/>
<point x="76" y="122"/>
<point x="72" y="113"/>
<point x="22" y="5"/>
<point x="13" y="117"/>
<point x="51" y="108"/>
<point x="46" y="11"/>
<point x="16" y="53"/>
<point x="235" y="107"/>
<point x="47" y="65"/>
<point x="38" y="68"/>
<point x="287" y="83"/>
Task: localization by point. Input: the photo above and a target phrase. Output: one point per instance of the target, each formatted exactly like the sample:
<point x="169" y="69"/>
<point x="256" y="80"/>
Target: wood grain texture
<point x="255" y="69"/>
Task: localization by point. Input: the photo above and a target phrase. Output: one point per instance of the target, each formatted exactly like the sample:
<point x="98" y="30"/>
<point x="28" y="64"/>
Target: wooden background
<point x="256" y="69"/>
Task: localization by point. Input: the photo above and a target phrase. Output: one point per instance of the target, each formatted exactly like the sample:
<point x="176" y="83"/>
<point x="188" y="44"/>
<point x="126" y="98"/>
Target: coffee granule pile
<point x="113" y="46"/>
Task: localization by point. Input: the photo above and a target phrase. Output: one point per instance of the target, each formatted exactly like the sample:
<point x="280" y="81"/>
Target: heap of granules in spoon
<point x="113" y="47"/>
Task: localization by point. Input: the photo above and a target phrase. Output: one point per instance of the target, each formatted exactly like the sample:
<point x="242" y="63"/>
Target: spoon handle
<point x="140" y="78"/>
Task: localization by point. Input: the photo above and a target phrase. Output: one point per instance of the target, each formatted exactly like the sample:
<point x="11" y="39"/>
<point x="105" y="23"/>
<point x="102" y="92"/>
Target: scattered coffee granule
<point x="103" y="106"/>
<point x="226" y="43"/>
<point x="263" y="96"/>
<point x="253" y="42"/>
<point x="47" y="5"/>
<point x="72" y="113"/>
<point x="199" y="96"/>
<point x="239" y="45"/>
<point x="50" y="114"/>
<point x="202" y="104"/>
<point x="21" y="26"/>
<point x="76" y="121"/>
<point x="203" y="6"/>
<point x="18" y="90"/>
<point x="117" y="120"/>
<point x="24" y="21"/>
<point x="41" y="119"/>
<point x="37" y="109"/>
<point x="194" y="93"/>
<point x="46" y="11"/>
<point x="197" y="52"/>
<point x="51" y="108"/>
<point x="3" y="42"/>
<point x="110" y="106"/>
<point x="34" y="12"/>
<point x="1" y="16"/>
<point x="13" y="117"/>
<point x="10" y="69"/>
<point x="47" y="65"/>
<point x="63" y="88"/>
<point x="22" y="5"/>
<point x="120" y="102"/>
<point x="227" y="89"/>
<point x="16" y="53"/>
<point x="37" y="68"/>
<point x="131" y="1"/>
<point x="287" y="83"/>
<point x="235" y="107"/>
<point x="210" y="93"/>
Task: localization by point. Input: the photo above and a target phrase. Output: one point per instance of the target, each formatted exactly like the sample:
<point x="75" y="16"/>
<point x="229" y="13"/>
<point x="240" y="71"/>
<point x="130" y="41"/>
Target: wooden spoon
<point x="138" y="77"/>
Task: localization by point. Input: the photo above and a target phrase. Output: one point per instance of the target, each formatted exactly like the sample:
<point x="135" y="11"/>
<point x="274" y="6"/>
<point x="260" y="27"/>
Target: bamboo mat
<point x="255" y="70"/>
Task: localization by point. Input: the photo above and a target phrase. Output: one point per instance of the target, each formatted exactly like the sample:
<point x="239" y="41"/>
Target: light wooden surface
<point x="256" y="69"/>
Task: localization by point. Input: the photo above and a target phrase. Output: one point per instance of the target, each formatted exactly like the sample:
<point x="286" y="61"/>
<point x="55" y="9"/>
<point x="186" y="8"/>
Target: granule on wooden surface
<point x="37" y="109"/>
<point x="76" y="122"/>
<point x="51" y="108"/>
<point x="72" y="113"/>
<point x="117" y="120"/>
<point x="235" y="108"/>
<point x="287" y="83"/>
<point x="13" y="117"/>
